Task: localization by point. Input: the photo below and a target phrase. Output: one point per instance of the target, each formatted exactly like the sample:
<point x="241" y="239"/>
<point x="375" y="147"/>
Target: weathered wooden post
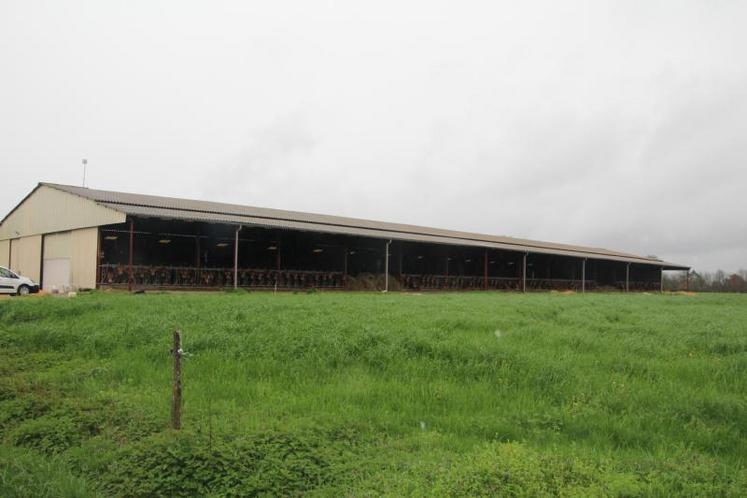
<point x="176" y="398"/>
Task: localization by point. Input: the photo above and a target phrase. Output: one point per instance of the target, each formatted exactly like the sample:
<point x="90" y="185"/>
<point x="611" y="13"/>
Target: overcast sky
<point x="621" y="125"/>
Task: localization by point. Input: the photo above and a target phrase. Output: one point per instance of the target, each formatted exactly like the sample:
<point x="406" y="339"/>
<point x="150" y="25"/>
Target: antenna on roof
<point x="85" y="161"/>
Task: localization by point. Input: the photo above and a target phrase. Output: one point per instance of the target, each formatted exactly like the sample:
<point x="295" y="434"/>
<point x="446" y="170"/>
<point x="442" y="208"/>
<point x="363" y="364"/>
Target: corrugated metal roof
<point x="186" y="209"/>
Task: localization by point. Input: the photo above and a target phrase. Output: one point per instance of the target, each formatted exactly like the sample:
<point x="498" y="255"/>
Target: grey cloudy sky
<point x="614" y="124"/>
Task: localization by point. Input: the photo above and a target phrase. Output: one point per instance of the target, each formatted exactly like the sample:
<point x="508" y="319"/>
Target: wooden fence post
<point x="176" y="398"/>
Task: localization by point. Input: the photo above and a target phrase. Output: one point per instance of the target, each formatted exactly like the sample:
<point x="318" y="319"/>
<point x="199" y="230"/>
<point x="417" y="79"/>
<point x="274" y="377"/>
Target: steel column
<point x="485" y="271"/>
<point x="687" y="280"/>
<point x="661" y="279"/>
<point x="627" y="277"/>
<point x="98" y="258"/>
<point x="129" y="264"/>
<point x="386" y="266"/>
<point x="198" y="258"/>
<point x="236" y="258"/>
<point x="583" y="275"/>
<point x="524" y="274"/>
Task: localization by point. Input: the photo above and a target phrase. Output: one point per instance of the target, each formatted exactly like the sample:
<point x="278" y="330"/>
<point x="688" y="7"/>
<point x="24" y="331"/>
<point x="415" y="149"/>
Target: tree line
<point x="718" y="281"/>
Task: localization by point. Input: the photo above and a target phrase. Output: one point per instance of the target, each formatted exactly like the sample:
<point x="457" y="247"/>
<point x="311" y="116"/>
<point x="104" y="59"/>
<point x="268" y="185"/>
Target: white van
<point x="11" y="283"/>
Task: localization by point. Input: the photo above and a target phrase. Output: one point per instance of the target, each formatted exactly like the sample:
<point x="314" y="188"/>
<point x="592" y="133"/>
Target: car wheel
<point x="23" y="290"/>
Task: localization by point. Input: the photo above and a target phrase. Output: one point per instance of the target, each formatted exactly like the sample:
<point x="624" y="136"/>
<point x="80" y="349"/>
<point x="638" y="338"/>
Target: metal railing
<point x="639" y="285"/>
<point x="558" y="284"/>
<point x="457" y="282"/>
<point x="117" y="275"/>
<point x="114" y="275"/>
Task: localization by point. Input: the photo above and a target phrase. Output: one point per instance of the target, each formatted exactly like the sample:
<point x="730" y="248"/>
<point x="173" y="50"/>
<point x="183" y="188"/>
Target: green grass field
<point x="336" y="394"/>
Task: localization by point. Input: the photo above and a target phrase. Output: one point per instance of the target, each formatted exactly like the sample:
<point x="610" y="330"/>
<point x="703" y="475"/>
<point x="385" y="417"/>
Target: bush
<point x="48" y="434"/>
<point x="182" y="464"/>
<point x="510" y="469"/>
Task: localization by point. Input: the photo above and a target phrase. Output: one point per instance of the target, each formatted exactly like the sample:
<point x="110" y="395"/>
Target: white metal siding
<point x="49" y="210"/>
<point x="71" y="259"/>
<point x="85" y="243"/>
<point x="26" y="256"/>
<point x="56" y="264"/>
<point x="5" y="253"/>
<point x="57" y="245"/>
<point x="56" y="274"/>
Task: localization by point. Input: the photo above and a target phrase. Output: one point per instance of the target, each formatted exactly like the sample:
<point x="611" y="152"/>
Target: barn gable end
<point x="49" y="210"/>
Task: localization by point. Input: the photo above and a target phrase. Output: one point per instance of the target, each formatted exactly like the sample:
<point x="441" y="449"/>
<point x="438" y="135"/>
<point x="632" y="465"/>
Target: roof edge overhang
<point x="140" y="211"/>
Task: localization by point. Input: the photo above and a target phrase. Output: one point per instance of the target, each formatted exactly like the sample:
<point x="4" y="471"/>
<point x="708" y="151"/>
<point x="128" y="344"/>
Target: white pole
<point x="386" y="267"/>
<point x="583" y="276"/>
<point x="85" y="162"/>
<point x="236" y="257"/>
<point x="661" y="280"/>
<point x="627" y="277"/>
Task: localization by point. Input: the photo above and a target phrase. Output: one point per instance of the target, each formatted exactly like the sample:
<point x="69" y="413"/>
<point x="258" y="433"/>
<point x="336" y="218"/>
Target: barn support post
<point x="661" y="279"/>
<point x="277" y="266"/>
<point x="627" y="277"/>
<point x="583" y="275"/>
<point x="99" y="276"/>
<point x="130" y="276"/>
<point x="236" y="258"/>
<point x="198" y="259"/>
<point x="524" y="274"/>
<point x="485" y="271"/>
<point x="386" y="266"/>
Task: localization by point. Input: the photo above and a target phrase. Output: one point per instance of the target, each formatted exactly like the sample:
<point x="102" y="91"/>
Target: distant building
<point x="73" y="237"/>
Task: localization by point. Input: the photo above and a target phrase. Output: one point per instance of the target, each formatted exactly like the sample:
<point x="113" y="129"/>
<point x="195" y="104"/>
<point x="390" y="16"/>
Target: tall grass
<point x="452" y="394"/>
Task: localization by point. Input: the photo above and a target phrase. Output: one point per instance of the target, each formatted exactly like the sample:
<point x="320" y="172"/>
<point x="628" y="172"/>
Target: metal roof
<point x="216" y="212"/>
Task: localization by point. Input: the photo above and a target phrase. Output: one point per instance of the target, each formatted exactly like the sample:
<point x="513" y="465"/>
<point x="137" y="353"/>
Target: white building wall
<point x="85" y="246"/>
<point x="26" y="256"/>
<point x="70" y="259"/>
<point x="48" y="210"/>
<point x="5" y="253"/>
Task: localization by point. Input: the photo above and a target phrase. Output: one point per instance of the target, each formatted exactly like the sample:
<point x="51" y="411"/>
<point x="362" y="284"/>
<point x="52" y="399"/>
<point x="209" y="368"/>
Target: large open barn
<point x="73" y="237"/>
